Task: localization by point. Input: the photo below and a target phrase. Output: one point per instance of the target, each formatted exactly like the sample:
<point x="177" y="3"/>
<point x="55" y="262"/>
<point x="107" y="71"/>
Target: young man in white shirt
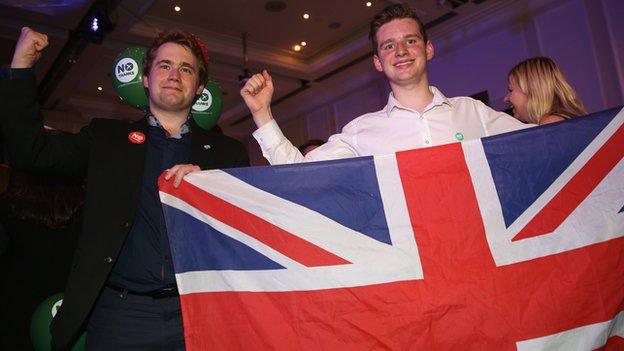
<point x="417" y="114"/>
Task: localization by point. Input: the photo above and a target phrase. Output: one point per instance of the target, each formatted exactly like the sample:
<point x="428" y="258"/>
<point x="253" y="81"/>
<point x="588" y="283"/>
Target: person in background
<point x="539" y="93"/>
<point x="310" y="145"/>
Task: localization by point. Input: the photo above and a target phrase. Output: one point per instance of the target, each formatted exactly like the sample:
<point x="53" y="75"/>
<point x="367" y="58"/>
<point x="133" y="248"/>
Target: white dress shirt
<point x="395" y="128"/>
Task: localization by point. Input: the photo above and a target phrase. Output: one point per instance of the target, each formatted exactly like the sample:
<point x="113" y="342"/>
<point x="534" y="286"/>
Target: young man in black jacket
<point x="121" y="283"/>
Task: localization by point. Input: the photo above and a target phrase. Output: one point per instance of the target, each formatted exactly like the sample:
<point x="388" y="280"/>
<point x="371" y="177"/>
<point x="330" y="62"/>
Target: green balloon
<point x="40" y="325"/>
<point x="128" y="77"/>
<point x="207" y="109"/>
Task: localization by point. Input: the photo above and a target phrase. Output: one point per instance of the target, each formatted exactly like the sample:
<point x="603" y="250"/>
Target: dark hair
<point x="390" y="13"/>
<point x="184" y="38"/>
<point x="43" y="200"/>
<point x="311" y="142"/>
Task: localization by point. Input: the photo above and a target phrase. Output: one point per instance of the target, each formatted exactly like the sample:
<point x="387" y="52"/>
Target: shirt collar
<point x="154" y="122"/>
<point x="438" y="100"/>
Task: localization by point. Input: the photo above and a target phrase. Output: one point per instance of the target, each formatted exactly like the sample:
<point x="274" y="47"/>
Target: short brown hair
<point x="390" y="13"/>
<point x="184" y="38"/>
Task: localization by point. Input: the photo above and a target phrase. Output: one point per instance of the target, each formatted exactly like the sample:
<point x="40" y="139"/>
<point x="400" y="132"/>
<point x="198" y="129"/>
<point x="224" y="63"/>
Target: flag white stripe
<point x="582" y="228"/>
<point x="373" y="262"/>
<point x="589" y="337"/>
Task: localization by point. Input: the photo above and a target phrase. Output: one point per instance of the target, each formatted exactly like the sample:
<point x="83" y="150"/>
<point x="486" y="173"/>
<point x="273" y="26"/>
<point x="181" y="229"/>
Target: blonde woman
<point x="540" y="94"/>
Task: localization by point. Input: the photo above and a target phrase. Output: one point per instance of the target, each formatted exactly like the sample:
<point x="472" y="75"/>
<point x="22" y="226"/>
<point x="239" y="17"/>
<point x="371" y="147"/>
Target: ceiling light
<point x="369" y="4"/>
<point x="99" y="88"/>
<point x="297" y="48"/>
<point x="306" y="15"/>
<point x="177" y="8"/>
<point x="303" y="43"/>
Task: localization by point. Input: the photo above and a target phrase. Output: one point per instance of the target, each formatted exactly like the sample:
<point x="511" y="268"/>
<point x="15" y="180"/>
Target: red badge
<point x="137" y="137"/>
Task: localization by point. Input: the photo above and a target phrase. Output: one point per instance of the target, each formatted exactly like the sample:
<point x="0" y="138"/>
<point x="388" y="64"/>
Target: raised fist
<point x="257" y="93"/>
<point x="28" y="49"/>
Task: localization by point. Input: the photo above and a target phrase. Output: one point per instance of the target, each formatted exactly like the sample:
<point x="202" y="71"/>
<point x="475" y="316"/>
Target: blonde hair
<point x="547" y="91"/>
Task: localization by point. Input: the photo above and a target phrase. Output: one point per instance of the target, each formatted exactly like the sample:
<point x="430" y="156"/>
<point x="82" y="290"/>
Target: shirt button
<point x="108" y="259"/>
<point x="426" y="141"/>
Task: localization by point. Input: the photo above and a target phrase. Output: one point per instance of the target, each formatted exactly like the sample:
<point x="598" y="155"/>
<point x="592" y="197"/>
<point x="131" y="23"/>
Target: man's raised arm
<point x="257" y="93"/>
<point x="29" y="147"/>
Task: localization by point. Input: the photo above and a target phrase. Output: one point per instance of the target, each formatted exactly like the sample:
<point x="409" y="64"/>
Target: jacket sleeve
<point x="29" y="147"/>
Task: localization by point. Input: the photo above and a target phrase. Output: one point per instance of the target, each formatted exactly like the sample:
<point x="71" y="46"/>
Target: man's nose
<point x="174" y="74"/>
<point x="401" y="49"/>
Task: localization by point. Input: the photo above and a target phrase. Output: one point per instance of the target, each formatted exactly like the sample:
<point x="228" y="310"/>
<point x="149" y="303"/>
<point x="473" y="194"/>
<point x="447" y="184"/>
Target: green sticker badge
<point x="459" y="136"/>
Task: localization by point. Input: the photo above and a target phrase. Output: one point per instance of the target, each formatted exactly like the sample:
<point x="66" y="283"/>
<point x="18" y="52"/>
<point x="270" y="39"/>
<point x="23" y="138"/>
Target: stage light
<point x="95" y="24"/>
<point x="306" y="16"/>
<point x="303" y="43"/>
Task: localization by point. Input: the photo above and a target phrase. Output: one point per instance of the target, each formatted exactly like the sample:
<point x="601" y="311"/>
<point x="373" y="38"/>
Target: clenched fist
<point x="29" y="47"/>
<point x="257" y="93"/>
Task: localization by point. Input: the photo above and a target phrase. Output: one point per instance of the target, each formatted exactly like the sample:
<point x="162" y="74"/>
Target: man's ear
<point x="200" y="89"/>
<point x="377" y="63"/>
<point x="429" y="50"/>
<point x="145" y="82"/>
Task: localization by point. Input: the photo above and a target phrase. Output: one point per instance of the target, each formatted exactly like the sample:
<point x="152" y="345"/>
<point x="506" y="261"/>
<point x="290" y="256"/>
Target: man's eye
<point x="387" y="47"/>
<point x="186" y="70"/>
<point x="412" y="41"/>
<point x="164" y="66"/>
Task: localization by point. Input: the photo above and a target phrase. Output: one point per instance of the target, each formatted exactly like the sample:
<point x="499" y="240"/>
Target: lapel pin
<point x="136" y="137"/>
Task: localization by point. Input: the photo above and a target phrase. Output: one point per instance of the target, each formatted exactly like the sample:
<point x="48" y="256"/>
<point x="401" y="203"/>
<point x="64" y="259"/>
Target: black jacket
<point x="113" y="167"/>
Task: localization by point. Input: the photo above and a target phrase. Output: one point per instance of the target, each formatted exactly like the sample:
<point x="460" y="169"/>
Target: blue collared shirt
<point x="144" y="263"/>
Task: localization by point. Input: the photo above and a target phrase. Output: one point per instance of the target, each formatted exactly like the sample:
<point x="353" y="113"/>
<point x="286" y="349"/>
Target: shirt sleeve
<point x="496" y="122"/>
<point x="279" y="150"/>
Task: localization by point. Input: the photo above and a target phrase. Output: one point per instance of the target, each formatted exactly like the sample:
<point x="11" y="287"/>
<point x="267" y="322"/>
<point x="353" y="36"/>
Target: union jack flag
<point x="514" y="241"/>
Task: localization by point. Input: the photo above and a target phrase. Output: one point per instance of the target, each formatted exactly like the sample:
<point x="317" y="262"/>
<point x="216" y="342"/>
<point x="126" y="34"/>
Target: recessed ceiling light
<point x="369" y="4"/>
<point x="177" y="8"/>
<point x="99" y="88"/>
<point x="297" y="48"/>
<point x="306" y="15"/>
<point x="303" y="43"/>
